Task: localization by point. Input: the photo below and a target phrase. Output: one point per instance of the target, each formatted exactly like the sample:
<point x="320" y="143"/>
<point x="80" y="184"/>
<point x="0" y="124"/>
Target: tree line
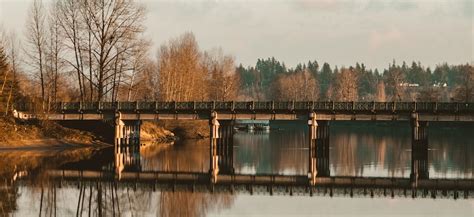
<point x="271" y="79"/>
<point x="80" y="50"/>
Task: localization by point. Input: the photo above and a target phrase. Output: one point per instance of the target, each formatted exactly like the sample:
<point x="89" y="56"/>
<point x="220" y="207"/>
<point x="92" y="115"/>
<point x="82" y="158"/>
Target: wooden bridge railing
<point x="266" y="106"/>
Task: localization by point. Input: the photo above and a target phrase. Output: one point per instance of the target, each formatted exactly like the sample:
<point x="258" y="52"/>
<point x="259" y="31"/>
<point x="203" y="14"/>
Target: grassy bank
<point x="17" y="133"/>
<point x="184" y="129"/>
<point x="151" y="131"/>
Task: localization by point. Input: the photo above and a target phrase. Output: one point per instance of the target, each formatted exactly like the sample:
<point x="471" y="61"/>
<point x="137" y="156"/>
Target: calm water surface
<point x="363" y="150"/>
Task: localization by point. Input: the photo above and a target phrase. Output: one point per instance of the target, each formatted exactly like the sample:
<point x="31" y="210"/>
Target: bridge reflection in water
<point x="175" y="180"/>
<point x="227" y="181"/>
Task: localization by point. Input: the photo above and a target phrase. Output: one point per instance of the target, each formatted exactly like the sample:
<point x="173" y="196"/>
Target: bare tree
<point x="69" y="18"/>
<point x="395" y="80"/>
<point x="54" y="50"/>
<point x="102" y="39"/>
<point x="380" y="95"/>
<point x="224" y="81"/>
<point x="114" y="27"/>
<point x="148" y="80"/>
<point x="464" y="92"/>
<point x="182" y="75"/>
<point x="345" y="86"/>
<point x="13" y="57"/>
<point x="429" y="94"/>
<point x="36" y="39"/>
<point x="300" y="85"/>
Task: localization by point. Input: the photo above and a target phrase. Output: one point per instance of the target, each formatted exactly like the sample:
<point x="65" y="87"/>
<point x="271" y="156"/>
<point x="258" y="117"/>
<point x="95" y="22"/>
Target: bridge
<point x="270" y="110"/>
<point x="127" y="117"/>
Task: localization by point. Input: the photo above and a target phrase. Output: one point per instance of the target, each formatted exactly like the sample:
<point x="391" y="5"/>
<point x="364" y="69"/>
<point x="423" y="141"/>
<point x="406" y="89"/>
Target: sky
<point x="340" y="32"/>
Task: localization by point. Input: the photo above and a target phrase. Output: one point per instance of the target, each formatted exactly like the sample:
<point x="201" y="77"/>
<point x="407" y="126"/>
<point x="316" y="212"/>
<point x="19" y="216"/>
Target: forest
<point x="79" y="50"/>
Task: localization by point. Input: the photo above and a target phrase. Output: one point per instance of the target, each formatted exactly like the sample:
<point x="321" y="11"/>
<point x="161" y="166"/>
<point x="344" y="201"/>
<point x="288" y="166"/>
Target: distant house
<point x="439" y="84"/>
<point x="406" y="84"/>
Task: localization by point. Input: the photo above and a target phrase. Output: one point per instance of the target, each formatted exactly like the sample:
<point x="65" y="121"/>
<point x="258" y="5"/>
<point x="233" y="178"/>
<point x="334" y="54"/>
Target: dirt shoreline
<point x="18" y="135"/>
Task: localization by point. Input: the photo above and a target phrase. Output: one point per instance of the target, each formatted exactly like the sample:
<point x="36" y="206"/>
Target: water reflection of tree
<point x="108" y="199"/>
<point x="357" y="147"/>
<point x="14" y="164"/>
<point x="187" y="156"/>
<point x="451" y="153"/>
<point x="8" y="197"/>
<point x="192" y="204"/>
<point x="388" y="146"/>
<point x="276" y="152"/>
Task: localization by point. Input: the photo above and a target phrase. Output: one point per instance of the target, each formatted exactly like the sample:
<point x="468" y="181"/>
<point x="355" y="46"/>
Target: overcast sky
<point x="339" y="32"/>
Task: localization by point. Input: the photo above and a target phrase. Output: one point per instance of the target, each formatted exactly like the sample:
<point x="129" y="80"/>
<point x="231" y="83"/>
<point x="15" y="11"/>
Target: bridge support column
<point x="126" y="139"/>
<point x="318" y="148"/>
<point x="313" y="126"/>
<point x="119" y="134"/>
<point x="214" y="157"/>
<point x="419" y="146"/>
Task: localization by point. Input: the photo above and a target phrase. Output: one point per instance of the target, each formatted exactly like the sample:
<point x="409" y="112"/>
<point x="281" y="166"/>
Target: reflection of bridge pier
<point x="419" y="146"/>
<point x="318" y="148"/>
<point x="221" y="147"/>
<point x="126" y="140"/>
<point x="225" y="147"/>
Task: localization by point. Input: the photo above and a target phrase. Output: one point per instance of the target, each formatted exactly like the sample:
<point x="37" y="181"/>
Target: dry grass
<point x="15" y="133"/>
<point x="151" y="131"/>
<point x="194" y="129"/>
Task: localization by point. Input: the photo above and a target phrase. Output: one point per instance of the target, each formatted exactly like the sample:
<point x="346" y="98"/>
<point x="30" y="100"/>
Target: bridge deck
<point x="428" y="111"/>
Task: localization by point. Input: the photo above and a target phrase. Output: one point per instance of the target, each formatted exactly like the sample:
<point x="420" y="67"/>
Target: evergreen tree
<point x="325" y="79"/>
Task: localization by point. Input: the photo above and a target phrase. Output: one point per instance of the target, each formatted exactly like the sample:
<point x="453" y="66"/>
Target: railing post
<point x="62" y="107"/>
<point x="99" y="107"/>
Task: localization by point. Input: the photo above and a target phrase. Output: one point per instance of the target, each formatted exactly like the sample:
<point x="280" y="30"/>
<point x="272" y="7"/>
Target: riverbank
<point x="42" y="134"/>
<point x="186" y="129"/>
<point x="31" y="135"/>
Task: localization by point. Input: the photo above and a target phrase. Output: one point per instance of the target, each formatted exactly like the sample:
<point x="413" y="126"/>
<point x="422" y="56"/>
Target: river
<point x="356" y="150"/>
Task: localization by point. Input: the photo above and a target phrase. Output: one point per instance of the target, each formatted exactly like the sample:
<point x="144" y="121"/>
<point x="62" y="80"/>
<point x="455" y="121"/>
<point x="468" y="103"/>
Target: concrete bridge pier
<point x="213" y="155"/>
<point x="225" y="147"/>
<point x="318" y="148"/>
<point x="126" y="140"/>
<point x="312" y="126"/>
<point x="419" y="146"/>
